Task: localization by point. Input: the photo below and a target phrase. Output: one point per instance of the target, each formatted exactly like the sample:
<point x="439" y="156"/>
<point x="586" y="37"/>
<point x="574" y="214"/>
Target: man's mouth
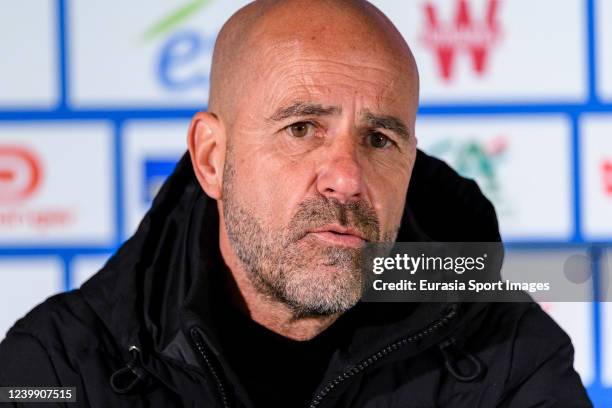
<point x="339" y="235"/>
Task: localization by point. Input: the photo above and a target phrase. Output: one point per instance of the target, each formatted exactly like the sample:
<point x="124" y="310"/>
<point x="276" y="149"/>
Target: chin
<point x="323" y="290"/>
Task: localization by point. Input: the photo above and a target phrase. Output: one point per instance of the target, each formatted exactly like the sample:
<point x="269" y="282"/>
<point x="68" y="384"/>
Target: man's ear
<point x="206" y="141"/>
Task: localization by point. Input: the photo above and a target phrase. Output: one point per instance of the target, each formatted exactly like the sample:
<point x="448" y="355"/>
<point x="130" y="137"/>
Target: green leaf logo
<point x="175" y="18"/>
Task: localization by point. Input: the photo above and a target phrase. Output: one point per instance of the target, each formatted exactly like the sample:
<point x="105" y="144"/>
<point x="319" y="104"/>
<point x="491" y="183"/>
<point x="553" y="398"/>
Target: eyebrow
<point x="390" y="123"/>
<point x="303" y="109"/>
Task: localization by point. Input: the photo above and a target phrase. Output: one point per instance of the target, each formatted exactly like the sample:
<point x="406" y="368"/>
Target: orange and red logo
<point x="20" y="173"/>
<point x="463" y="34"/>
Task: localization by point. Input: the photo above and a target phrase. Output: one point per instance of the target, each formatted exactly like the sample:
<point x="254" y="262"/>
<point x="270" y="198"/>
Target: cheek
<point x="388" y="185"/>
<point x="269" y="186"/>
<point x="391" y="208"/>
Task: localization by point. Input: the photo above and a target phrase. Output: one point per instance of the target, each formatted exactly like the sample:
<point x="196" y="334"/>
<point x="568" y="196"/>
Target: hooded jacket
<point x="141" y="331"/>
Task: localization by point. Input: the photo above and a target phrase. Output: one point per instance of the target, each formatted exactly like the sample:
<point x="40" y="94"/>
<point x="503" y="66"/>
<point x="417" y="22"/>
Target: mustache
<point x="317" y="212"/>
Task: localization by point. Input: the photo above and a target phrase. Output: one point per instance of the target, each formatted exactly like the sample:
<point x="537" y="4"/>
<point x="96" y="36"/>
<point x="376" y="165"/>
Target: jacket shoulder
<point x="60" y="320"/>
<point x="52" y="342"/>
<point x="25" y="361"/>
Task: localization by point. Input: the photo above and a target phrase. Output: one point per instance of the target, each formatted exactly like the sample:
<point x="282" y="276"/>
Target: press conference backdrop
<point x="96" y="97"/>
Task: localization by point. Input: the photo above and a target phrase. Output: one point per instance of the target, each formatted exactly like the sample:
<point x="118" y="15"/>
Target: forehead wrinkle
<point x="313" y="85"/>
<point x="334" y="60"/>
<point x="350" y="78"/>
<point x="296" y="55"/>
<point x="305" y="66"/>
<point x="300" y="108"/>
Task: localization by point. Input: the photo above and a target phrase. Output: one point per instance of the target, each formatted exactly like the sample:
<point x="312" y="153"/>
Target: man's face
<point x="319" y="158"/>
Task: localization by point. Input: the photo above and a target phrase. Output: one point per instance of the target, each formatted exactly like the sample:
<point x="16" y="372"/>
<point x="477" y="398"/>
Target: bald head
<point x="268" y="31"/>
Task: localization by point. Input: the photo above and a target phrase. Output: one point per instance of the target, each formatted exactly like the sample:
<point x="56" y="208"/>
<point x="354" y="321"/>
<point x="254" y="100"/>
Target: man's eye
<point x="299" y="129"/>
<point x="378" y="140"/>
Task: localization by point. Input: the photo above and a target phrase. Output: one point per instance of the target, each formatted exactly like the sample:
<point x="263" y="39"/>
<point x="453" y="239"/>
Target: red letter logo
<point x="20" y="173"/>
<point x="606" y="171"/>
<point x="464" y="34"/>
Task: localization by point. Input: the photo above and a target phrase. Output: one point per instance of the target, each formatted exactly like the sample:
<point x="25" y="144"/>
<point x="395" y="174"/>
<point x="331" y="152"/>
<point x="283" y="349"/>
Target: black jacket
<point x="141" y="333"/>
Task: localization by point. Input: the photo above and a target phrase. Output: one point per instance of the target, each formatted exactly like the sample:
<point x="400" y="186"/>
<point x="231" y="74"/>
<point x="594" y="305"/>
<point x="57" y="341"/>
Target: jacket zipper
<point x="199" y="343"/>
<point x="433" y="327"/>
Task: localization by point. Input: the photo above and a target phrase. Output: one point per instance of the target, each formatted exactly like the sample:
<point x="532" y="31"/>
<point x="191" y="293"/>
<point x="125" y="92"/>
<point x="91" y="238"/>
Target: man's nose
<point x="340" y="175"/>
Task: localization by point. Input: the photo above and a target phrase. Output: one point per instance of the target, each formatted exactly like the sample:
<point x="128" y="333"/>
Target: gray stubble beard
<point x="277" y="262"/>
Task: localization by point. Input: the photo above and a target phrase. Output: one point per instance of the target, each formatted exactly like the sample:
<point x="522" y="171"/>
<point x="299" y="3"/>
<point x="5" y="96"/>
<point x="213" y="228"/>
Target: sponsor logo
<point x="184" y="56"/>
<point x="21" y="176"/>
<point x="606" y="171"/>
<point x="480" y="161"/>
<point x="155" y="173"/>
<point x="20" y="173"/>
<point x="463" y="34"/>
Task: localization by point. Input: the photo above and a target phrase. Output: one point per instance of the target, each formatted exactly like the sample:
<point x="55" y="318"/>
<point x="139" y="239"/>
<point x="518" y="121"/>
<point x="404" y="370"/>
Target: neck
<point x="265" y="309"/>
